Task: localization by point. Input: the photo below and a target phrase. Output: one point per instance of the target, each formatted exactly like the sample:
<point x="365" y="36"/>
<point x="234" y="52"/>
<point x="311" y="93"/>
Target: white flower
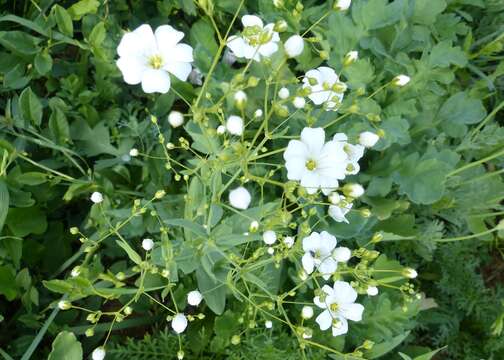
<point x="133" y="152"/>
<point x="258" y="113"/>
<point x="147" y="244"/>
<point x="270" y="250"/>
<point x="268" y="324"/>
<point x="372" y="290"/>
<point x="410" y="273"/>
<point x="368" y="139"/>
<point x="350" y="57"/>
<point x="255" y="41"/>
<point x="269" y="237"/>
<point x="234" y="125"/>
<point x="354" y="153"/>
<point x="221" y="129"/>
<point x="342" y="5"/>
<point x="307" y="312"/>
<point x="299" y="102"/>
<point x="194" y="298"/>
<point x="339" y="306"/>
<point x="314" y="163"/>
<point x="75" y="271"/>
<point x="98" y="353"/>
<point x="294" y="46"/>
<point x="288" y="241"/>
<point x="240" y="198"/>
<point x="283" y="93"/>
<point x="240" y="98"/>
<point x="179" y="323"/>
<point x="96" y="197"/>
<point x="175" y="118"/>
<point x="342" y="254"/>
<point x="325" y="87"/>
<point x="318" y="250"/>
<point x="334" y="198"/>
<point x="338" y="212"/>
<point x="401" y="80"/>
<point x="353" y="190"/>
<point x="148" y="58"/>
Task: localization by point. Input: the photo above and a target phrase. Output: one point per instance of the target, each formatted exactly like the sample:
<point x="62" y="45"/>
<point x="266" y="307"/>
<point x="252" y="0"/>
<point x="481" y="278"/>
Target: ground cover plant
<point x="251" y="179"/>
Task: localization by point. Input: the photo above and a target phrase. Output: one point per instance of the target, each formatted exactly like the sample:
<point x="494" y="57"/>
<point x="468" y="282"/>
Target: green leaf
<point x="43" y="62"/>
<point x="25" y="221"/>
<point x="429" y="355"/>
<point x="66" y="347"/>
<point x="4" y="203"/>
<point x="63" y="20"/>
<point x="359" y="73"/>
<point x="375" y="14"/>
<point x="58" y="125"/>
<point x="8" y="283"/>
<point x="83" y="7"/>
<point x="97" y="34"/>
<point x="20" y="42"/>
<point x="30" y="107"/>
<point x="32" y="178"/>
<point x="132" y="254"/>
<point x="202" y="36"/>
<point x="195" y="228"/>
<point x="460" y="109"/>
<point x="426" y="11"/>
<point x="213" y="288"/>
<point x="444" y="55"/>
<point x="386" y="346"/>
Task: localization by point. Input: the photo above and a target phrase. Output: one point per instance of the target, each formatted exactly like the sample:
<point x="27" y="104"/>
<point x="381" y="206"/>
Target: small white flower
<point x="147" y="244"/>
<point x="288" y="241"/>
<point x="353" y="190"/>
<point x="338" y="212"/>
<point x="372" y="290"/>
<point x="176" y="119"/>
<point x="314" y="163"/>
<point x="410" y="273"/>
<point x="133" y="152"/>
<point x="323" y="83"/>
<point x="294" y="46"/>
<point x="339" y="306"/>
<point x="75" y="271"/>
<point x="268" y="324"/>
<point x="318" y="255"/>
<point x="149" y="57"/>
<point x="350" y="57"/>
<point x="354" y="153"/>
<point x="98" y="353"/>
<point x="258" y="113"/>
<point x="270" y="250"/>
<point x="234" y="125"/>
<point x="368" y="139"/>
<point x="307" y="312"/>
<point x="96" y="197"/>
<point x="194" y="298"/>
<point x="179" y="323"/>
<point x="240" y="198"/>
<point x="255" y="41"/>
<point x="240" y="98"/>
<point x="64" y="305"/>
<point x="342" y="5"/>
<point x="221" y="129"/>
<point x="401" y="80"/>
<point x="342" y="254"/>
<point x="299" y="102"/>
<point x="283" y="93"/>
<point x="269" y="237"/>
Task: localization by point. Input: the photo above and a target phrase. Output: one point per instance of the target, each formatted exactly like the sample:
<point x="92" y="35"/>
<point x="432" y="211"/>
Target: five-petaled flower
<point x="325" y="87"/>
<point x="149" y="57"/>
<point x="339" y="306"/>
<point x="256" y="39"/>
<point x="318" y="254"/>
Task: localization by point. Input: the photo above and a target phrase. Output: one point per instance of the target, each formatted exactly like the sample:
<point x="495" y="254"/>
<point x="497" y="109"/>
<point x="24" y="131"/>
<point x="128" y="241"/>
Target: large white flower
<point x="325" y="87"/>
<point x="354" y="153"/>
<point x="318" y="255"/>
<point x="148" y="58"/>
<point x="315" y="163"/>
<point x="255" y="41"/>
<point x="339" y="306"/>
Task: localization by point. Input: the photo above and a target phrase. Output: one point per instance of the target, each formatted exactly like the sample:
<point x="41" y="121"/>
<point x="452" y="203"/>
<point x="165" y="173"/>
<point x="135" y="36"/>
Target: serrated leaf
<point x="444" y="55"/>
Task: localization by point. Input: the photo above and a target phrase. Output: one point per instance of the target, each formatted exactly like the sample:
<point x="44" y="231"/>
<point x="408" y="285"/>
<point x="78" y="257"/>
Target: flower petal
<point x="328" y="75"/>
<point x="252" y="20"/>
<point x="295" y="168"/>
<point x="327" y="242"/>
<point x="268" y="49"/>
<point x="132" y="69"/>
<point x="155" y="81"/>
<point x="237" y="45"/>
<point x="180" y="69"/>
<point x="341" y="328"/>
<point x="183" y="53"/>
<point x="295" y="148"/>
<point x="328" y="266"/>
<point x="139" y="42"/>
<point x="352" y="311"/>
<point x="311" y="242"/>
<point x="167" y="37"/>
<point x="324" y="320"/>
<point x="320" y="96"/>
<point x="308" y="263"/>
<point x="344" y="293"/>
<point x="314" y="139"/>
<point x="310" y="181"/>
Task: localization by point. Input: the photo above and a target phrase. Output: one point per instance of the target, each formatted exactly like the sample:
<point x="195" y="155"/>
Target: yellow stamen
<point x="156" y="62"/>
<point x="311" y="165"/>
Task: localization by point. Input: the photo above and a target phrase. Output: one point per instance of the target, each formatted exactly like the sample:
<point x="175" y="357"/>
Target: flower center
<point x="311" y="164"/>
<point x="156" y="62"/>
<point x="350" y="168"/>
<point x="334" y="307"/>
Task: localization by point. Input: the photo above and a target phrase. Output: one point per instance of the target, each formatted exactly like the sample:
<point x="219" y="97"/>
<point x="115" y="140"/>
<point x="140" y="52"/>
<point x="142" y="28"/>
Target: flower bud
<point x="64" y="305"/>
<point x="307" y="312"/>
<point x="280" y="26"/>
<point x="283" y="93"/>
<point x="96" y="197"/>
<point x="299" y="102"/>
<point x="235" y="339"/>
<point x="147" y="244"/>
<point x="377" y="237"/>
<point x="353" y="190"/>
<point x="254" y="226"/>
<point x="74" y="230"/>
<point x="133" y="152"/>
<point x="180" y="354"/>
<point x="288" y="241"/>
<point x="268" y="324"/>
<point x="240" y="99"/>
<point x="98" y="353"/>
<point x="294" y="46"/>
<point x="409" y="273"/>
<point x="401" y="80"/>
<point x="234" y="125"/>
<point x="221" y="129"/>
<point x="342" y="5"/>
<point x="342" y="254"/>
<point x="176" y="119"/>
<point x="269" y="237"/>
<point x="365" y="213"/>
<point x="240" y="198"/>
<point x="194" y="298"/>
<point x="350" y="58"/>
<point x="372" y="290"/>
<point x="89" y="332"/>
